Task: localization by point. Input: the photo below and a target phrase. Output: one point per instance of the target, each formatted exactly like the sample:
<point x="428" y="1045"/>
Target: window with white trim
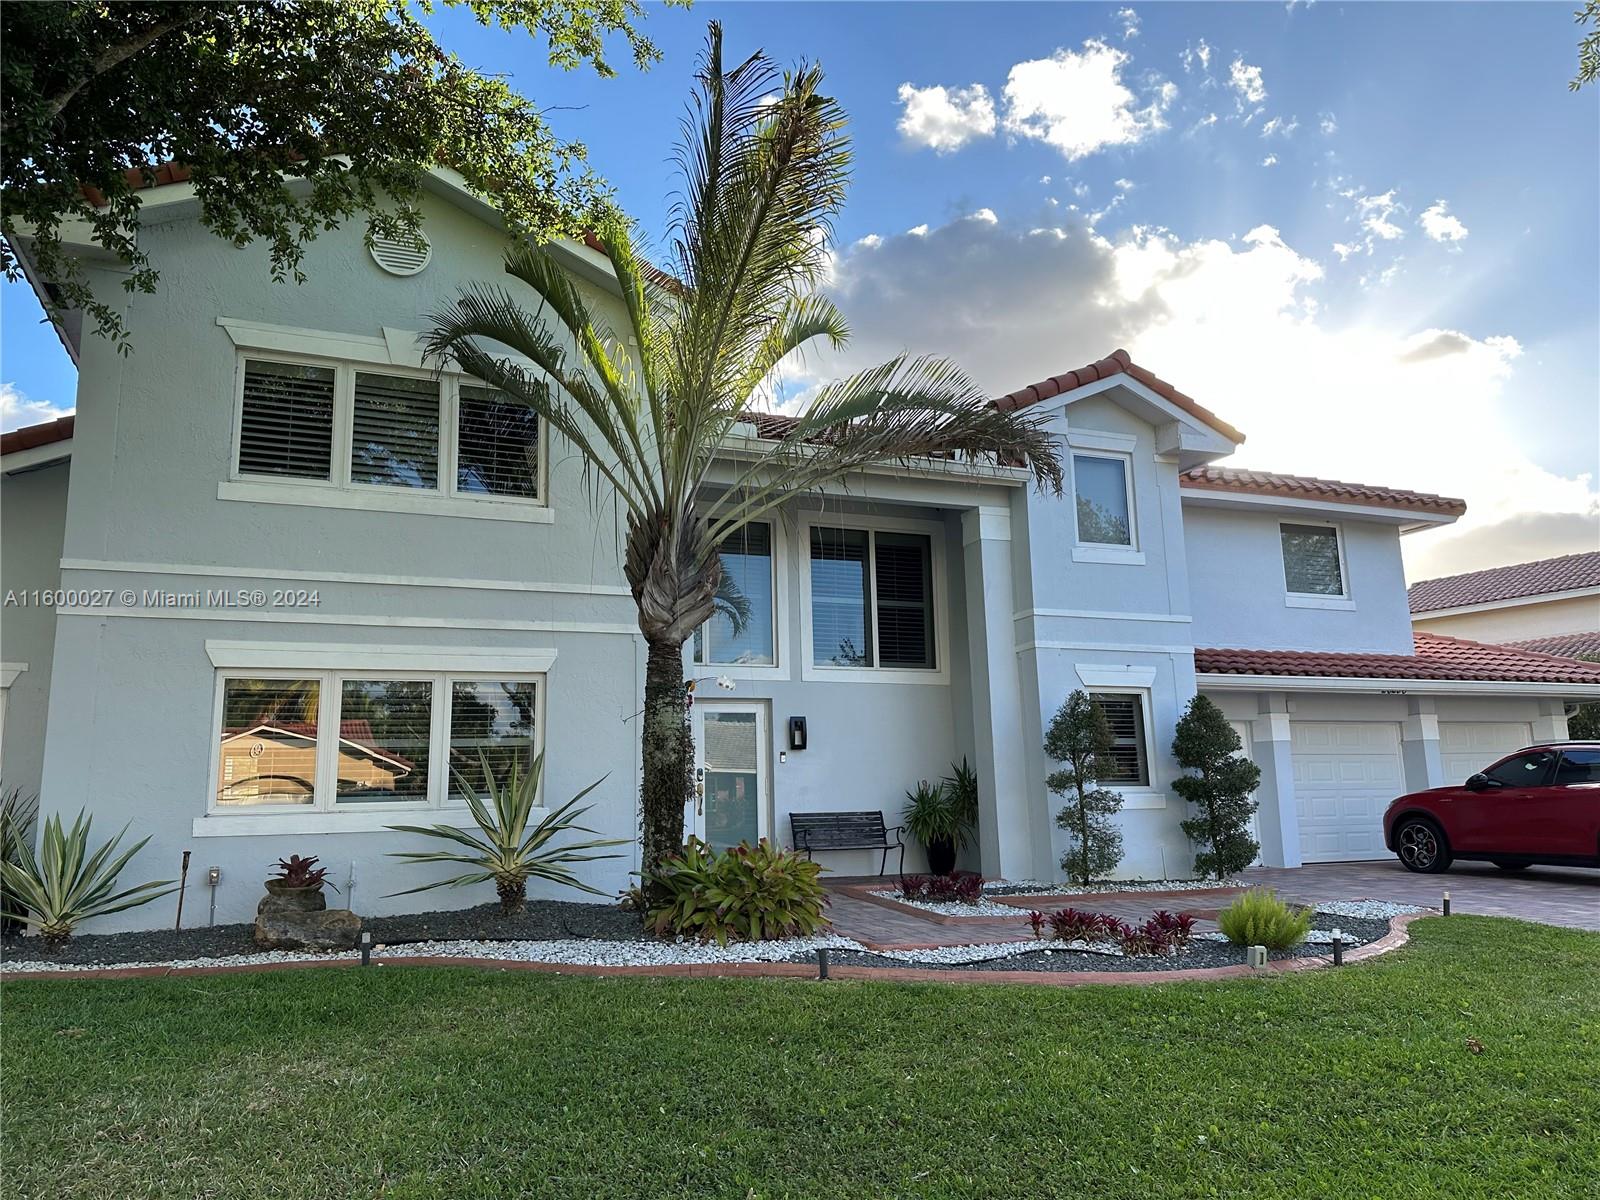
<point x="872" y="600"/>
<point x="741" y="630"/>
<point x="1103" y="499"/>
<point x="332" y="741"/>
<point x="1313" y="560"/>
<point x="401" y="429"/>
<point x="1124" y="713"/>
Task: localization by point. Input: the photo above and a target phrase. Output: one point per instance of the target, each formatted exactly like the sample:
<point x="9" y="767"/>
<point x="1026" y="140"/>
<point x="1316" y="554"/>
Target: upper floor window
<point x="385" y="429"/>
<point x="1125" y="714"/>
<point x="872" y="601"/>
<point x="1312" y="560"/>
<point x="1104" y="502"/>
<point x="740" y="631"/>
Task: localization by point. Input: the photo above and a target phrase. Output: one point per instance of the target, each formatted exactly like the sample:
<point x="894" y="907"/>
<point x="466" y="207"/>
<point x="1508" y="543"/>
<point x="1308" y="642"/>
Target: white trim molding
<point x="1112" y="675"/>
<point x="1108" y="554"/>
<point x="254" y="616"/>
<point x="1100" y="439"/>
<point x="37" y="456"/>
<point x="378" y="500"/>
<point x="9" y="672"/>
<point x="1409" y="520"/>
<point x="345" y="656"/>
<point x="317" y="823"/>
<point x="1225" y="681"/>
<point x="360" y="577"/>
<point x="1096" y="615"/>
<point x="987" y="523"/>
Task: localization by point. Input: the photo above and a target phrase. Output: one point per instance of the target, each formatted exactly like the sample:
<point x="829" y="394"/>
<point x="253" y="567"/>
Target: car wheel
<point x="1511" y="866"/>
<point x="1422" y="847"/>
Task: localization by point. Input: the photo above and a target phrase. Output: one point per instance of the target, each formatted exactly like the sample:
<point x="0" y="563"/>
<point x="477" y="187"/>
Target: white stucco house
<point x="275" y="574"/>
<point x="1551" y="605"/>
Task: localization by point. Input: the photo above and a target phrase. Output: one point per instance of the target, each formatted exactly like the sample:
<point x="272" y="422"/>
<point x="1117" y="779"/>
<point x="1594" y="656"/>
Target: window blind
<point x="497" y="445"/>
<point x="269" y="742"/>
<point x="384" y="740"/>
<point x="903" y="572"/>
<point x="286" y="424"/>
<point x="490" y="721"/>
<point x="1311" y="560"/>
<point x="395" y="435"/>
<point x="1125" y="715"/>
<point x="840" y="625"/>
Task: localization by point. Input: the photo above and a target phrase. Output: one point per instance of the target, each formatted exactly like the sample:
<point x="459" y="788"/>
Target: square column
<point x="1551" y="723"/>
<point x="1419" y="747"/>
<point x="1273" y="750"/>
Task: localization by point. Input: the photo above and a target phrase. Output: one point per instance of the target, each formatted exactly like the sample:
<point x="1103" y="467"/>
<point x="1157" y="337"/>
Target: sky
<point x="1367" y="235"/>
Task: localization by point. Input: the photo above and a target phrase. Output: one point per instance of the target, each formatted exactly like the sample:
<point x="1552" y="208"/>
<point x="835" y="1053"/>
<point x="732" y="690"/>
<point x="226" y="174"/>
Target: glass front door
<point x="730" y="804"/>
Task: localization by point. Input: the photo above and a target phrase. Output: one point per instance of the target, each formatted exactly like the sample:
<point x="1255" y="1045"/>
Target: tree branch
<point x="119" y="53"/>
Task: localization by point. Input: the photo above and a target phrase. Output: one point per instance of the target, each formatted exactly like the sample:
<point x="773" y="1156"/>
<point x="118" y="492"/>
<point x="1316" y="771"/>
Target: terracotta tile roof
<point x="30" y="436"/>
<point x="1436" y="657"/>
<point x="1305" y="487"/>
<point x="1118" y="364"/>
<point x="1568" y="645"/>
<point x="1564" y="574"/>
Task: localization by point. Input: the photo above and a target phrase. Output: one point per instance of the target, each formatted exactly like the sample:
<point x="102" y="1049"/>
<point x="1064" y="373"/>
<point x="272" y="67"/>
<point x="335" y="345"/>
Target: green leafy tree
<point x="1219" y="790"/>
<point x="1585" y="723"/>
<point x="1080" y="739"/>
<point x="289" y="117"/>
<point x="1589" y="47"/>
<point x="764" y="162"/>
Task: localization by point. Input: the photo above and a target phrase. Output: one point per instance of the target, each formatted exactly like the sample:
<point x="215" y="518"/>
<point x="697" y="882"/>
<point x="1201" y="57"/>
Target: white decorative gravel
<point x="954" y="908"/>
<point x="1039" y="887"/>
<point x="1372" y="910"/>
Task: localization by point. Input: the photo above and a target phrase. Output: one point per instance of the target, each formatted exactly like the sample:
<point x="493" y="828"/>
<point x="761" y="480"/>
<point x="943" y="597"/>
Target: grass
<point x="424" y="1082"/>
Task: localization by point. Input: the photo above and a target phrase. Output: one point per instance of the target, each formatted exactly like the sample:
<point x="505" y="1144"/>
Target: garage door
<point x="1345" y="774"/>
<point x="1467" y="747"/>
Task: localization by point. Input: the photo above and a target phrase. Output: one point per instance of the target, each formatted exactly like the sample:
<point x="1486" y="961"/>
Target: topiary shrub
<point x="1259" y="918"/>
<point x="1080" y="739"/>
<point x="1220" y="790"/>
<point x="746" y="894"/>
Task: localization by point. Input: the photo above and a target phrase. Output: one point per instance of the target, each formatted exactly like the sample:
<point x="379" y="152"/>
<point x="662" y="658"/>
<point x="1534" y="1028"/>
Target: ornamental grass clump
<point x="1259" y="918"/>
<point x="745" y="894"/>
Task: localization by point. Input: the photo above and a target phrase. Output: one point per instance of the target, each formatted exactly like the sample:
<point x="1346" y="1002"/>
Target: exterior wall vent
<point x="400" y="257"/>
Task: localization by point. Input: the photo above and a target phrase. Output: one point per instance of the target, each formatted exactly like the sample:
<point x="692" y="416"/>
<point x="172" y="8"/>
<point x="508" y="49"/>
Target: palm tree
<point x="764" y="162"/>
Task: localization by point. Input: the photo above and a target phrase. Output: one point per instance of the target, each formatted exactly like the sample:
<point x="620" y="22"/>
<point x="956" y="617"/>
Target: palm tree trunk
<point x="666" y="755"/>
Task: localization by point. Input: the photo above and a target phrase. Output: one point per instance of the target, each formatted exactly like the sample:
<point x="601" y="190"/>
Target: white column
<point x="1273" y="751"/>
<point x="1419" y="747"/>
<point x="1005" y="842"/>
<point x="1551" y="723"/>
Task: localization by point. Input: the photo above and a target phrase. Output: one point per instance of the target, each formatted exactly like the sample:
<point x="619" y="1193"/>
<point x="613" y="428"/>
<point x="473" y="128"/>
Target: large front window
<point x="740" y="631"/>
<point x="334" y="740"/>
<point x="871" y="598"/>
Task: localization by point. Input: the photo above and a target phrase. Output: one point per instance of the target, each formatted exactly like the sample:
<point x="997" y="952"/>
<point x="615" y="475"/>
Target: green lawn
<point x="469" y="1083"/>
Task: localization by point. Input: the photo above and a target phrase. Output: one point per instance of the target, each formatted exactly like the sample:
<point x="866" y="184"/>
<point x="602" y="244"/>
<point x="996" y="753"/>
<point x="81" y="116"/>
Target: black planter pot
<point x="941" y="856"/>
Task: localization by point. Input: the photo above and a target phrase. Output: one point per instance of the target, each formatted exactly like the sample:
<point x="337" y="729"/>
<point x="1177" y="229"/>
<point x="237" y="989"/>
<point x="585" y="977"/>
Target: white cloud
<point x="1376" y="213"/>
<point x="1200" y="53"/>
<point x="1280" y="127"/>
<point x="1130" y="23"/>
<point x="1441" y="225"/>
<point x="1125" y="185"/>
<point x="1246" y="82"/>
<point x="1237" y="325"/>
<point x="871" y="240"/>
<point x="1045" y="179"/>
<point x="17" y="410"/>
<point x="986" y="215"/>
<point x="1328" y="123"/>
<point x="918" y="230"/>
<point x="1078" y="102"/>
<point x="1270" y="160"/>
<point x="1204" y="122"/>
<point x="945" y="119"/>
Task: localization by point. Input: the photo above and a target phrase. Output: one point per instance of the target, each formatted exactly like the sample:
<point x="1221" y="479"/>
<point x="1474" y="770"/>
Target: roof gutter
<point x="1226" y="680"/>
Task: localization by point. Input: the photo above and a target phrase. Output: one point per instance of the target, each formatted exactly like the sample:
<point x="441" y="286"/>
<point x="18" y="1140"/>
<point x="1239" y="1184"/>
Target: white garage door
<point x="1345" y="774"/>
<point x="1467" y="747"/>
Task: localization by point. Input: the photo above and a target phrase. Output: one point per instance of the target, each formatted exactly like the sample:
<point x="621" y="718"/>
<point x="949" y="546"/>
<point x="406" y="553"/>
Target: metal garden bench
<point x="846" y="831"/>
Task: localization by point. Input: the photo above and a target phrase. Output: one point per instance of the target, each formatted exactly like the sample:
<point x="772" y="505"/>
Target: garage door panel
<point x="1467" y="747"/>
<point x="1345" y="773"/>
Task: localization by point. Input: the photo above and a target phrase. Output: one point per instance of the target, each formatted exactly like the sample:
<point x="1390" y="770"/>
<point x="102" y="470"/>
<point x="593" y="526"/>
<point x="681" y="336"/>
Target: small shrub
<point x="746" y="894"/>
<point x="1076" y="925"/>
<point x="297" y="872"/>
<point x="1179" y="927"/>
<point x="1259" y="918"/>
<point x="1036" y="923"/>
<point x="1080" y="739"/>
<point x="1163" y="933"/>
<point x="959" y="887"/>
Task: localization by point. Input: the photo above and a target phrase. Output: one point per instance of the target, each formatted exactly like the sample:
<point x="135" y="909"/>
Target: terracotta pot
<point x="281" y="897"/>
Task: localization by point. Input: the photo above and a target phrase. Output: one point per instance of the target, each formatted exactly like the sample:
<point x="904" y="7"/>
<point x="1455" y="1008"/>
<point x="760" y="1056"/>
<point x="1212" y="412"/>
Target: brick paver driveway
<point x="1551" y="895"/>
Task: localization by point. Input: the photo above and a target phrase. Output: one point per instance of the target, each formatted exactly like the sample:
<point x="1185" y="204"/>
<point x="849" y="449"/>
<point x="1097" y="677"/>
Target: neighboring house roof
<point x="1567" y="645"/>
<point x="1119" y="363"/>
<point x="356" y="734"/>
<point x="1569" y="573"/>
<point x="1436" y="657"/>
<point x="31" y="436"/>
<point x="1306" y="487"/>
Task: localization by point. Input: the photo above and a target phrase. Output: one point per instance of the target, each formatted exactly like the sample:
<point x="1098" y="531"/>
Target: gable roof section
<point x="1119" y="363"/>
<point x="1566" y="645"/>
<point x="31" y="436"/>
<point x="1435" y="657"/>
<point x="1571" y="572"/>
<point x="1306" y="487"/>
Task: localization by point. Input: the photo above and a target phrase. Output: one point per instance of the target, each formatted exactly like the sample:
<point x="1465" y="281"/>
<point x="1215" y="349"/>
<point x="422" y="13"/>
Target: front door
<point x="731" y="804"/>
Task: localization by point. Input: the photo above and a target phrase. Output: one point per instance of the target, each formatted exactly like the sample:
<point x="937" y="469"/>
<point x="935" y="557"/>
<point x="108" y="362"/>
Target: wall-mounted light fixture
<point x="797" y="733"/>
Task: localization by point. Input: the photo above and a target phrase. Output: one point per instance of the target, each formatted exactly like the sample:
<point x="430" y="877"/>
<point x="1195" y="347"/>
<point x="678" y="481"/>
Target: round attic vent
<point x="400" y="257"/>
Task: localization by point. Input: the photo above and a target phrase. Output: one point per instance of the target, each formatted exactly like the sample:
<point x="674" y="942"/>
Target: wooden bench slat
<point x="844" y="831"/>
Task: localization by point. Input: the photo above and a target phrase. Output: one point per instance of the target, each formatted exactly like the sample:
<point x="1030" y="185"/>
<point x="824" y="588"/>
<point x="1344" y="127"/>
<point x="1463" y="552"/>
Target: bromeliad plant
<point x="745" y="894"/>
<point x="64" y="884"/>
<point x="297" y="872"/>
<point x="507" y="851"/>
<point x="959" y="887"/>
<point x="649" y="404"/>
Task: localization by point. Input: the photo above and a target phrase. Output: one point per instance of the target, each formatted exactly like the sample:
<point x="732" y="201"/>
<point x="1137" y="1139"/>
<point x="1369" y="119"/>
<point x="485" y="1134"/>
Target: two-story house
<point x="276" y="576"/>
<point x="1551" y="605"/>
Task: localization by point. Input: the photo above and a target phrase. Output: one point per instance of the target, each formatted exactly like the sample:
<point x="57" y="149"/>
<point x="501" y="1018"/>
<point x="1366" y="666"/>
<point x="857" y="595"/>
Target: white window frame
<point x="779" y="667"/>
<point x="1344" y="601"/>
<point x="341" y="490"/>
<point x="935" y="533"/>
<point x="1148" y="787"/>
<point x="325" y="813"/>
<point x="1084" y="446"/>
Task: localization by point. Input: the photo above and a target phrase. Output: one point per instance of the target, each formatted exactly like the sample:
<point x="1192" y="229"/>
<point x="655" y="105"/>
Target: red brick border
<point x="1398" y="935"/>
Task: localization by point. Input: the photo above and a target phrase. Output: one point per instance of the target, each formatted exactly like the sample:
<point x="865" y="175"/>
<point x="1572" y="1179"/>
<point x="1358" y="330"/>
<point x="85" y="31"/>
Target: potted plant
<point x="935" y="819"/>
<point x="297" y="886"/>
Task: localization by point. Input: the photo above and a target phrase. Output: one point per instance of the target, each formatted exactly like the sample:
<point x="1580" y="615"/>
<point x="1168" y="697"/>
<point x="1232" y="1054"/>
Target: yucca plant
<point x="19" y="811"/>
<point x="64" y="884"/>
<point x="508" y="852"/>
<point x="649" y="405"/>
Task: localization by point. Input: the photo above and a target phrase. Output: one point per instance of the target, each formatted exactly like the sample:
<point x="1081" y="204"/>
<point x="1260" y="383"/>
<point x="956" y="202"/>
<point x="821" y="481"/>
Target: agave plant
<point x="64" y="884"/>
<point x="18" y="812"/>
<point x="507" y="851"/>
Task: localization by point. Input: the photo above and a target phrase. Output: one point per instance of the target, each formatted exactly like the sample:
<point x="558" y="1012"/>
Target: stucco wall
<point x="1536" y="618"/>
<point x="33" y="514"/>
<point x="1235" y="570"/>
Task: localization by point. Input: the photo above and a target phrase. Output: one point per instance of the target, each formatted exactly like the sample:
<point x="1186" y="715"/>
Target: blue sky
<point x="1366" y="234"/>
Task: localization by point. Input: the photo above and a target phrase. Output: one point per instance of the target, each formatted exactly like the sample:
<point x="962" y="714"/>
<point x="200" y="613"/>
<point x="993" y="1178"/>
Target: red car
<point x="1539" y="805"/>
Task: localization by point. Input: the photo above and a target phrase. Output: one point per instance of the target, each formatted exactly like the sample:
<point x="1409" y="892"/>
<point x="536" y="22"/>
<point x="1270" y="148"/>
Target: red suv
<point x="1539" y="805"/>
